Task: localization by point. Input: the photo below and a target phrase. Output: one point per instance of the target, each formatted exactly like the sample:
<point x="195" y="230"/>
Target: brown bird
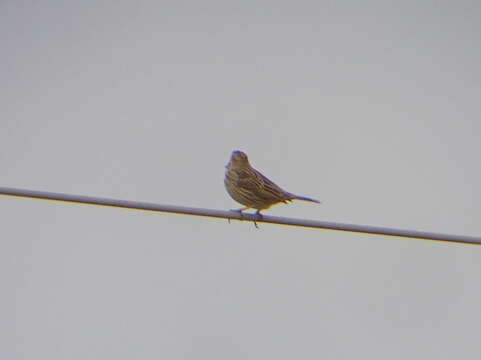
<point x="249" y="187"/>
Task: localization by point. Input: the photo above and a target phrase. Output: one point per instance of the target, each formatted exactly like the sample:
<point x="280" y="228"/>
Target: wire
<point x="136" y="205"/>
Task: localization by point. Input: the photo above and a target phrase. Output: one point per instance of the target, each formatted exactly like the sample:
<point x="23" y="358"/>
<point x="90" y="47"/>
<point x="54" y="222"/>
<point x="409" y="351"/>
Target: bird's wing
<point x="247" y="180"/>
<point x="260" y="186"/>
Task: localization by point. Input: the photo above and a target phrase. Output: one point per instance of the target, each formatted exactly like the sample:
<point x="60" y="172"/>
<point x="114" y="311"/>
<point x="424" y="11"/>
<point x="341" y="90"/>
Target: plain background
<point x="373" y="107"/>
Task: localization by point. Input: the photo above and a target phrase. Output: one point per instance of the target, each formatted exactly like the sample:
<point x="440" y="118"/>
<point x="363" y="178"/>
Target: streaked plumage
<point x="249" y="187"/>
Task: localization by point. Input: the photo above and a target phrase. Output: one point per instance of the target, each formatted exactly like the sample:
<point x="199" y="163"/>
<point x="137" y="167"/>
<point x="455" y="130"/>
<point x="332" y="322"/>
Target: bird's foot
<point x="238" y="211"/>
<point x="259" y="215"/>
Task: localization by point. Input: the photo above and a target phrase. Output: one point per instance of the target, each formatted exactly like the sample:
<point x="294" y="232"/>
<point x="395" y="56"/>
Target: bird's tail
<point x="296" y="197"/>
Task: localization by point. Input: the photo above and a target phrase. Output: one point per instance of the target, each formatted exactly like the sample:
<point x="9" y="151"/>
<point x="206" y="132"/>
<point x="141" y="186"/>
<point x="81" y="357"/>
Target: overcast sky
<point x="372" y="107"/>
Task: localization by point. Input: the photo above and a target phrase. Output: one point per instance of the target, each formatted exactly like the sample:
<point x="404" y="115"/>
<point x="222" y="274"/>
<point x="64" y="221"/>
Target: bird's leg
<point x="239" y="211"/>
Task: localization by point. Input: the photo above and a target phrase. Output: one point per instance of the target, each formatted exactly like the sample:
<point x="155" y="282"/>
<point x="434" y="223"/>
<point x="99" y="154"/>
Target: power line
<point x="137" y="205"/>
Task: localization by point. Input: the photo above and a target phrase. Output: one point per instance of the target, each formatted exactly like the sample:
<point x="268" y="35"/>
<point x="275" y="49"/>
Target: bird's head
<point x="238" y="159"/>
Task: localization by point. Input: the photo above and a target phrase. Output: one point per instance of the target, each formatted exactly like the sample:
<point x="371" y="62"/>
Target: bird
<point x="250" y="188"/>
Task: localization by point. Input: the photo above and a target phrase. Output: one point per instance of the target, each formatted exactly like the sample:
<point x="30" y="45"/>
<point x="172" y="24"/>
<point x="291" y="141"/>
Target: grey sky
<point x="372" y="107"/>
